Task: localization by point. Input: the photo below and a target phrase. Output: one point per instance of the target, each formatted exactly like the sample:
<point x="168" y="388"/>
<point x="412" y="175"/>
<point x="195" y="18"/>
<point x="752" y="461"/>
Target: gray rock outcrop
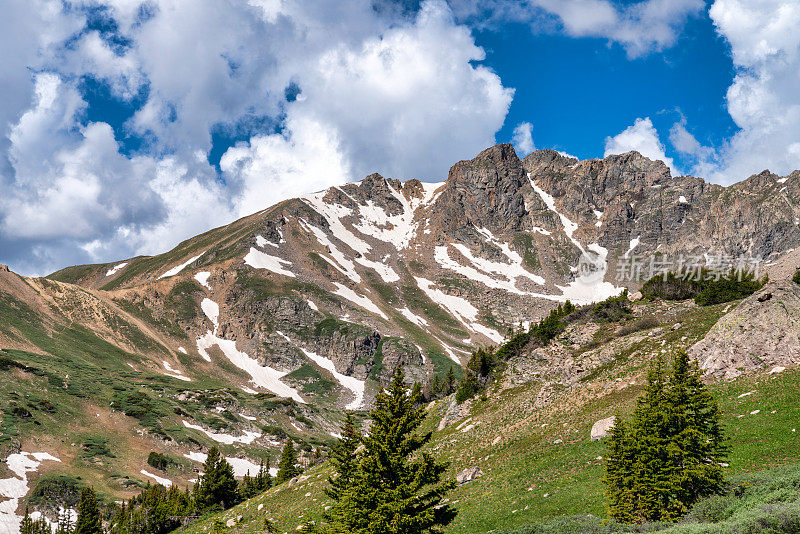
<point x="602" y="428"/>
<point x="760" y="333"/>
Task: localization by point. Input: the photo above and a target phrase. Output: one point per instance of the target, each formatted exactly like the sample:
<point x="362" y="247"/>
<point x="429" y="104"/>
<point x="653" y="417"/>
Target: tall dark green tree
<point x="668" y="456"/>
<point x="217" y="486"/>
<point x="345" y="462"/>
<point x="398" y="488"/>
<point x="89" y="521"/>
<point x="287" y="467"/>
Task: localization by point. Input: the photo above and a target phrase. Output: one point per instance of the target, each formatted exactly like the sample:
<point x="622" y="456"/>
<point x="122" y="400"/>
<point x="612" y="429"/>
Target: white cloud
<point x="382" y="91"/>
<point x="641" y="137"/>
<point x="522" y="138"/>
<point x="640" y="27"/>
<point x="407" y="103"/>
<point x="763" y="99"/>
<point x="274" y="167"/>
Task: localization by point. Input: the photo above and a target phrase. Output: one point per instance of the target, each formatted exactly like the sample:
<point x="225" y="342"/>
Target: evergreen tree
<point x="89" y="521"/>
<point x="450" y="382"/>
<point x="217" y="486"/>
<point x="668" y="456"/>
<point x="393" y="492"/>
<point x="287" y="467"/>
<point x="345" y="462"/>
<point x="26" y="526"/>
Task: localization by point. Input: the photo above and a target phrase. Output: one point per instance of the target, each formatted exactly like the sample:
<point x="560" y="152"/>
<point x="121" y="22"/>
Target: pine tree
<point x="395" y="493"/>
<point x="669" y="455"/>
<point x="450" y="382"/>
<point x="26" y="526"/>
<point x="217" y="485"/>
<point x="287" y="468"/>
<point x="89" y="521"/>
<point x="345" y="462"/>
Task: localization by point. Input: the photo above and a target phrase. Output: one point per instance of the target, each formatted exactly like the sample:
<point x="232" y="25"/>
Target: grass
<point x="540" y="467"/>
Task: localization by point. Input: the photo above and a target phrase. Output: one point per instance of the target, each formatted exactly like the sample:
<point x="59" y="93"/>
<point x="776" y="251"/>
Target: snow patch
<point x="226" y="439"/>
<point x="355" y="385"/>
<point x="163" y="481"/>
<point x="262" y="260"/>
<point x="179" y="268"/>
<point x="203" y="277"/>
<point x="261" y="375"/>
<point x="352" y="296"/>
<point x="682" y="200"/>
<point x="175" y="373"/>
<point x="414" y="318"/>
<point x="181" y="349"/>
<point x="633" y="244"/>
<point x="16" y="487"/>
<point x="460" y="308"/>
<point x="116" y="268"/>
<point x="211" y="309"/>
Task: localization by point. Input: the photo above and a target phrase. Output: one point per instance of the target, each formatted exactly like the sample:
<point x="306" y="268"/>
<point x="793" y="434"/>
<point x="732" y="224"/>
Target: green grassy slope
<point x="539" y="463"/>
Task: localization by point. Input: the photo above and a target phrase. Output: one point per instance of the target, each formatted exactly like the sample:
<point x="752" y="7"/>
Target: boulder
<point x="602" y="428"/>
<point x="758" y="334"/>
<point x="469" y="474"/>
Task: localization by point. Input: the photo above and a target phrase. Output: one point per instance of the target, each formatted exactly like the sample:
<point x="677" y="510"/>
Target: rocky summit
<point x="271" y="326"/>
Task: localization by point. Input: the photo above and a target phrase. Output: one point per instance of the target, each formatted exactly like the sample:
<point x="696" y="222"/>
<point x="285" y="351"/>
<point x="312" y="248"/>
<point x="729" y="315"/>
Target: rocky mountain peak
<point x="485" y="191"/>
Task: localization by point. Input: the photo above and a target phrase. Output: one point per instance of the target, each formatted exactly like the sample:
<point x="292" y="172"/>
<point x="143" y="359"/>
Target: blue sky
<point x="144" y="122"/>
<point x="576" y="92"/>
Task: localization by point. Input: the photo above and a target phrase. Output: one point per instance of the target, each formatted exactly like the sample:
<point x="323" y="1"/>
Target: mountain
<point x="269" y="327"/>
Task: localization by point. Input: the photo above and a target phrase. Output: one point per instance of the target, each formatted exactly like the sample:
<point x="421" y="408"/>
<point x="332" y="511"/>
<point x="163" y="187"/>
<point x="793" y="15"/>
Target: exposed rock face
<point x="380" y="273"/>
<point x="761" y="332"/>
<point x="602" y="428"/>
<point x="469" y="474"/>
<point x="485" y="192"/>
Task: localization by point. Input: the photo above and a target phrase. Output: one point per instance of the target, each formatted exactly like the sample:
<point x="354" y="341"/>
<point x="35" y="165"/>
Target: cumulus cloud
<point x="642" y="137"/>
<point x="522" y="137"/>
<point x="640" y="27"/>
<point x="763" y="99"/>
<point x="375" y="88"/>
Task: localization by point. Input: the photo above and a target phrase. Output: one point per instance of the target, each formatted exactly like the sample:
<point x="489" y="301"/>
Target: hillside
<point x="530" y="436"/>
<point x="271" y="326"/>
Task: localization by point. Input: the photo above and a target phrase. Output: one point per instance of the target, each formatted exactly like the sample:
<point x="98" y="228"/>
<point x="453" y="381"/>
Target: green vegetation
<point x="182" y="299"/>
<point x="767" y="501"/>
<point x="388" y="487"/>
<point x="160" y="461"/>
<point x="669" y="455"/>
<point x="89" y="520"/>
<point x="796" y="277"/>
<point x="216" y="487"/>
<point x="704" y="287"/>
<point x="287" y="467"/>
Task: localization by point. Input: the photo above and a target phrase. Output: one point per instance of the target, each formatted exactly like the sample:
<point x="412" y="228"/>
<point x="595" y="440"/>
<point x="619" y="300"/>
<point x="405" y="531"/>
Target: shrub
<point x="644" y="323"/>
<point x="670" y="287"/>
<point x="159" y="461"/>
<point x="796" y="277"/>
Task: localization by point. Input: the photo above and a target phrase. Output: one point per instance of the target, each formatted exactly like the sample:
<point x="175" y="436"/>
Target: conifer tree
<point x="668" y="456"/>
<point x="450" y="382"/>
<point x="217" y="485"/>
<point x="287" y="467"/>
<point x="89" y="521"/>
<point x="26" y="526"/>
<point x="345" y="462"/>
<point x="399" y="488"/>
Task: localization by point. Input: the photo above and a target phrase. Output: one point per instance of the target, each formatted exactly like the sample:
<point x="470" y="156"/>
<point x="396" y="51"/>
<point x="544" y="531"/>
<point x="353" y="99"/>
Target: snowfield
<point x="116" y="268"/>
<point x="179" y="268"/>
<point x="262" y="260"/>
<point x="163" y="481"/>
<point x="225" y="439"/>
<point x="15" y="488"/>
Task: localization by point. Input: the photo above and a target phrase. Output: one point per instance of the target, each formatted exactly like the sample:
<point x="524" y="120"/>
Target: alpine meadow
<point x="390" y="267"/>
